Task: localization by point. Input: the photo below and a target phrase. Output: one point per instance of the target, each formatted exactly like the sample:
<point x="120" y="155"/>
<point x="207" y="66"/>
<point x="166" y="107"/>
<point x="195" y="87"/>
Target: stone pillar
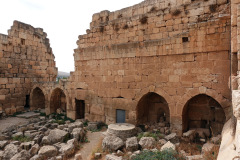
<point x="236" y="113"/>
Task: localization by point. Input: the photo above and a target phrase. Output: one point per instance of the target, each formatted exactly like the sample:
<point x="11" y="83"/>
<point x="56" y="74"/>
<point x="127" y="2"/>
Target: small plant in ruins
<point x="176" y="12"/>
<point x="66" y="138"/>
<point x="60" y="118"/>
<point x="22" y="138"/>
<point x="16" y="113"/>
<point x="85" y="123"/>
<point x="163" y="155"/>
<point x="156" y="136"/>
<point x="144" y="20"/>
<point x="213" y="8"/>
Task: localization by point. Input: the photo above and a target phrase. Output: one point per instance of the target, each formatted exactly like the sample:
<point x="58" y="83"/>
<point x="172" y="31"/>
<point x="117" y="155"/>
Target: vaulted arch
<point x="58" y="101"/>
<point x="38" y="99"/>
<point x="152" y="108"/>
<point x="202" y="111"/>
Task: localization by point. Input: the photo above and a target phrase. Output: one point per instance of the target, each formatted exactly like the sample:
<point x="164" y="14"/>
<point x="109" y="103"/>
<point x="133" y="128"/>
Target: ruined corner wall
<point x="230" y="148"/>
<point x="177" y="49"/>
<point x="25" y="57"/>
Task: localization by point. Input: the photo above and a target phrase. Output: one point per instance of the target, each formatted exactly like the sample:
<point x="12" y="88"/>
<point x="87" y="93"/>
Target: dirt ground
<point x="10" y="121"/>
<point x="87" y="149"/>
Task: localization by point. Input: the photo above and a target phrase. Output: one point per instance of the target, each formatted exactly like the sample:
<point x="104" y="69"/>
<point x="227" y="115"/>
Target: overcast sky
<point x="62" y="20"/>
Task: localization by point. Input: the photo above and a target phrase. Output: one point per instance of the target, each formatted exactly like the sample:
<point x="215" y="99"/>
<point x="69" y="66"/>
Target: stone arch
<point x="159" y="91"/>
<point x="225" y="103"/>
<point x="58" y="100"/>
<point x="152" y="108"/>
<point x="37" y="99"/>
<point x="203" y="111"/>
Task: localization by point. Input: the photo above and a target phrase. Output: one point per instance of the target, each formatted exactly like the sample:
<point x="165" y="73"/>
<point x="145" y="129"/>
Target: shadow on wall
<point x="152" y="108"/>
<point x="202" y="111"/>
<point x="38" y="99"/>
<point x="58" y="101"/>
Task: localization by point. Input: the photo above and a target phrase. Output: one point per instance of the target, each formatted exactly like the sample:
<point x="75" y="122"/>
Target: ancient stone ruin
<point x="171" y="64"/>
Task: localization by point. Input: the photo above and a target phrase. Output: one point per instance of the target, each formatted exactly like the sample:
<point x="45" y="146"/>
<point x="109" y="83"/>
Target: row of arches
<point x="201" y="111"/>
<point x="58" y="102"/>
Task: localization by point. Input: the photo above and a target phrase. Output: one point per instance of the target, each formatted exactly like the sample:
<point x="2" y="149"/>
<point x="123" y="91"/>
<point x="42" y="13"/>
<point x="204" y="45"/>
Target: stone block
<point x="3" y="80"/>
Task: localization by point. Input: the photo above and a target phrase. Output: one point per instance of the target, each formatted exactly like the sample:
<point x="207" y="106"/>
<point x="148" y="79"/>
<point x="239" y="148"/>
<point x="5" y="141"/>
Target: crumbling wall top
<point x="148" y="6"/>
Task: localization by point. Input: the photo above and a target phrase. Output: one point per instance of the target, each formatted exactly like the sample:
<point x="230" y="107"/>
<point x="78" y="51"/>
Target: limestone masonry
<point x="25" y="58"/>
<point x="160" y="60"/>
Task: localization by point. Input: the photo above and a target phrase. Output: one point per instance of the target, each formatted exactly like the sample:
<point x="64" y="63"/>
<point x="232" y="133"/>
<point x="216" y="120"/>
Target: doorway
<point x="121" y="116"/>
<point x="80" y="109"/>
<point x="27" y="103"/>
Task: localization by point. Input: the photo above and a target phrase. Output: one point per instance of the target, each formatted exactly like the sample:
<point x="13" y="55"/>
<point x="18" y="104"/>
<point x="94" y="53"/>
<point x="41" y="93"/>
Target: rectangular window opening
<point x="185" y="39"/>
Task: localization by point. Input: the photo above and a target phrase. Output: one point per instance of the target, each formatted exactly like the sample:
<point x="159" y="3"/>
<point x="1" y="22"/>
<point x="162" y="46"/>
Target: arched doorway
<point x="152" y="108"/>
<point x="38" y="99"/>
<point x="202" y="111"/>
<point x="58" y="101"/>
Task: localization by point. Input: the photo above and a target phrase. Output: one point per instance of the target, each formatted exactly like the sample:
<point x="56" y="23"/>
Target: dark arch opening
<point x="202" y="111"/>
<point x="58" y="101"/>
<point x="38" y="99"/>
<point x="152" y="108"/>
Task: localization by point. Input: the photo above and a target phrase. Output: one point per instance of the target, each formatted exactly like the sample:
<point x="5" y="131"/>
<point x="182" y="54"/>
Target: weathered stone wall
<point x="25" y="57"/>
<point x="230" y="148"/>
<point x="177" y="49"/>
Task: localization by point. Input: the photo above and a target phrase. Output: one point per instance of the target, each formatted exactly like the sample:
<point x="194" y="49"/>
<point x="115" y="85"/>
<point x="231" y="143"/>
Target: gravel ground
<point x="10" y="121"/>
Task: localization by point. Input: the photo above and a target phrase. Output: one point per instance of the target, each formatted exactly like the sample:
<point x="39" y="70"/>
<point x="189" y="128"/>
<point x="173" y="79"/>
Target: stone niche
<point x="203" y="111"/>
<point x="152" y="108"/>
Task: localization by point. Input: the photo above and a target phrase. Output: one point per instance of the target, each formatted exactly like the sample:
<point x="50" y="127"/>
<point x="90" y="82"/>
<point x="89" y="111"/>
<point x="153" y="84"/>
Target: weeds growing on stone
<point x="16" y="113"/>
<point x="164" y="155"/>
<point x="156" y="136"/>
<point x="61" y="117"/>
<point x="22" y="138"/>
<point x="85" y="123"/>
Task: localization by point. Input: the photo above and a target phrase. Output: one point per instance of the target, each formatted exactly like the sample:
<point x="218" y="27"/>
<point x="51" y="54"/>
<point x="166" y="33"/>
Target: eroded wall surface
<point x="25" y="58"/>
<point x="177" y="49"/>
<point x="230" y="148"/>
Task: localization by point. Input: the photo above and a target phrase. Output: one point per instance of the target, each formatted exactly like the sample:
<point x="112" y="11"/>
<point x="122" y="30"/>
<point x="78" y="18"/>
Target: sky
<point x="62" y="20"/>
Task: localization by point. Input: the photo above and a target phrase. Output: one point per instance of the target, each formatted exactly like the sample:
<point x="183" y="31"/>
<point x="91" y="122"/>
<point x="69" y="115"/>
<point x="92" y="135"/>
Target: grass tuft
<point x="22" y="138"/>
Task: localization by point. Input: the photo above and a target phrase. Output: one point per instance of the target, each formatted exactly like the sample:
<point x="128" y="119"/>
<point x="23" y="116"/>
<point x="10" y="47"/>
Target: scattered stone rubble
<point x="133" y="146"/>
<point x="47" y="140"/>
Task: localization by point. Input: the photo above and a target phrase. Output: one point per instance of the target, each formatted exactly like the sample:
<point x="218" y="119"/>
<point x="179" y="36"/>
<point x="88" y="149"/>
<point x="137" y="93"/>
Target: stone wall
<point x="25" y="57"/>
<point x="176" y="49"/>
<point x="230" y="148"/>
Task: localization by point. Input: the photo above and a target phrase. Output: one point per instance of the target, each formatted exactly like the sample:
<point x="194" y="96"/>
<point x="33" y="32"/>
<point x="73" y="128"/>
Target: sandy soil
<point x="87" y="148"/>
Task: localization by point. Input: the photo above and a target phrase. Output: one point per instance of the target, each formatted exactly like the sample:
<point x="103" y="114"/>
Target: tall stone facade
<point x="178" y="50"/>
<point x="171" y="60"/>
<point x="25" y="57"/>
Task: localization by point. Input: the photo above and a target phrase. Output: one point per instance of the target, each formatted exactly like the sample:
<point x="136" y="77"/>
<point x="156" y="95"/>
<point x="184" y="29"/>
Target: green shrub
<point x="66" y="138"/>
<point x="164" y="155"/>
<point x="156" y="136"/>
<point x="22" y="138"/>
<point x="16" y="113"/>
<point x="61" y="117"/>
<point x="85" y="123"/>
<point x="60" y="122"/>
<point x="43" y="114"/>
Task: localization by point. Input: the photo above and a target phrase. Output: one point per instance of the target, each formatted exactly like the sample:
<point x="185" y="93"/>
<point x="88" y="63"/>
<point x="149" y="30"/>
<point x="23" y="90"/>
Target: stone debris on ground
<point x="41" y="144"/>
